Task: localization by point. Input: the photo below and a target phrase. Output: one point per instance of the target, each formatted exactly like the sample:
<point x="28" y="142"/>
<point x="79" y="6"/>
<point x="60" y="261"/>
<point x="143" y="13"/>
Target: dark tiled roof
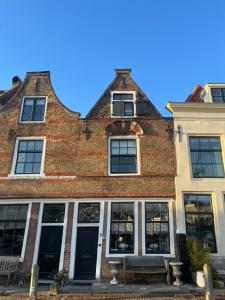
<point x="8" y="94"/>
<point x="195" y="95"/>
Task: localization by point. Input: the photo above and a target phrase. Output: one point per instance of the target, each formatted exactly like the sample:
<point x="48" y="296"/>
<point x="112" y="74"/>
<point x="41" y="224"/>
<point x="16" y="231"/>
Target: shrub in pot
<point x="198" y="255"/>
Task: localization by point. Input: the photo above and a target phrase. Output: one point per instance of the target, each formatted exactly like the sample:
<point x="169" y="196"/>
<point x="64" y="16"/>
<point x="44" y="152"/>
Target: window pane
<point x="122" y="228"/>
<point x="123" y="156"/>
<point x="216" y="92"/>
<point x="128" y="108"/>
<point x="157" y="228"/>
<point x="89" y="213"/>
<point x="122" y="97"/>
<point x="199" y="219"/>
<point x="22" y="146"/>
<point x="30" y="157"/>
<point x="36" y="168"/>
<point x="38" y="145"/>
<point x="206" y="157"/>
<point x="21" y="157"/>
<point x="30" y="145"/>
<point x="19" y="168"/>
<point x="12" y="230"/>
<point x="28" y="168"/>
<point x="53" y="213"/>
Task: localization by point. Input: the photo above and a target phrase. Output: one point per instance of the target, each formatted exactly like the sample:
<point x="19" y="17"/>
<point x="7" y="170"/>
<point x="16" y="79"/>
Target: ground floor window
<point x="122" y="228"/>
<point x="157" y="231"/>
<point x="13" y="220"/>
<point x="199" y="219"/>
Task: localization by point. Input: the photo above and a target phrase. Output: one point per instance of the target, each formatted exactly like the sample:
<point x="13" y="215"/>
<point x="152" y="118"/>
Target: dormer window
<point x="218" y="95"/>
<point x="123" y="104"/>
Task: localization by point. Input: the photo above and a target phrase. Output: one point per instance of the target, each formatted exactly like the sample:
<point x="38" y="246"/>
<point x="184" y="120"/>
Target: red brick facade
<point x="76" y="155"/>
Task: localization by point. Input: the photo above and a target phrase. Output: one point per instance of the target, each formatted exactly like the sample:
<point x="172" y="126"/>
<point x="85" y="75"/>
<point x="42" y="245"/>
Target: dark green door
<point x="49" y="251"/>
<point x="86" y="253"/>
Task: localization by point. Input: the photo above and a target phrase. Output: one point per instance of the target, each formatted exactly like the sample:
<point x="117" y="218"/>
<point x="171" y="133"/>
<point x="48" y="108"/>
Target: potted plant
<point x="198" y="255"/>
<point x="60" y="278"/>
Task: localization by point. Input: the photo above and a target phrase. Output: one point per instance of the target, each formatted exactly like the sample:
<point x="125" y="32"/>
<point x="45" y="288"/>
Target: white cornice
<point x="195" y="107"/>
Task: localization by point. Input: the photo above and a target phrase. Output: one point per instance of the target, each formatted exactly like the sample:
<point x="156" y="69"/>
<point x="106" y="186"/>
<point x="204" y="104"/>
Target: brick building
<point x="77" y="192"/>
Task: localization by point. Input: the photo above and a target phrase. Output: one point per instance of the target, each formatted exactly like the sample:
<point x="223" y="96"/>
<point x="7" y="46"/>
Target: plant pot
<point x="200" y="279"/>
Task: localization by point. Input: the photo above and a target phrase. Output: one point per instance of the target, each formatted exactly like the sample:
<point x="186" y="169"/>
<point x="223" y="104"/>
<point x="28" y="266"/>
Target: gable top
<point x="38" y="81"/>
<point x="122" y="83"/>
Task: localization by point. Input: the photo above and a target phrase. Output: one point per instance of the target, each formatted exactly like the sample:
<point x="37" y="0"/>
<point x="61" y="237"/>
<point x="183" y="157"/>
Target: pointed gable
<point x="122" y="83"/>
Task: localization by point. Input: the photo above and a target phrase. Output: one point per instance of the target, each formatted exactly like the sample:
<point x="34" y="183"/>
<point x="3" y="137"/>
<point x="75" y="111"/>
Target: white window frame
<point x="108" y="254"/>
<point x="132" y="100"/>
<point x="38" y="233"/>
<point x="21" y="111"/>
<point x="21" y="258"/>
<point x="75" y="226"/>
<point x="138" y="158"/>
<point x="189" y="154"/>
<point x="18" y="139"/>
<point x="171" y="227"/>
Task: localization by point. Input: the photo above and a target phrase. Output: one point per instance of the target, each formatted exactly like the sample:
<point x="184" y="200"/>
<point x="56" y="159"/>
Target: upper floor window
<point x="206" y="157"/>
<point x="13" y="218"/>
<point x="218" y="95"/>
<point x="28" y="156"/>
<point x="123" y="156"/>
<point x="33" y="109"/>
<point x="123" y="104"/>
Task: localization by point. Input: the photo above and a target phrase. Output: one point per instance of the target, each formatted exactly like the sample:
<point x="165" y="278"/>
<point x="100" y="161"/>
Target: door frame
<point x="39" y="227"/>
<point x="74" y="237"/>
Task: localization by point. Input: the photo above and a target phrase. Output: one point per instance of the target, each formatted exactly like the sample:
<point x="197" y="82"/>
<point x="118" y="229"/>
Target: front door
<point x="49" y="251"/>
<point x="86" y="252"/>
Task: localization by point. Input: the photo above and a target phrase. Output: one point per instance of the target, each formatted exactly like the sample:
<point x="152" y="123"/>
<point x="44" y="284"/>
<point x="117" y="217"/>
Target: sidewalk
<point x="102" y="290"/>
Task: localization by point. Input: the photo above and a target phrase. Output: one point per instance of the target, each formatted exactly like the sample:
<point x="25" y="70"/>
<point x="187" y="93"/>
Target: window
<point x="122" y="228"/>
<point x="123" y="156"/>
<point x="33" y="109"/>
<point x="29" y="156"/>
<point x="218" y="95"/>
<point x="89" y="213"/>
<point x="157" y="230"/>
<point x="53" y="213"/>
<point x="206" y="157"/>
<point x="199" y="219"/>
<point x="123" y="104"/>
<point x="12" y="227"/>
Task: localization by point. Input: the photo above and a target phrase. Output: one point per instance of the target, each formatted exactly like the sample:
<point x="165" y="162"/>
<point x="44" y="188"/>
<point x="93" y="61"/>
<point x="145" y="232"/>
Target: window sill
<point x="120" y="254"/>
<point x="31" y="122"/>
<point x="159" y="254"/>
<point x="123" y="117"/>
<point x="125" y="174"/>
<point x="26" y="176"/>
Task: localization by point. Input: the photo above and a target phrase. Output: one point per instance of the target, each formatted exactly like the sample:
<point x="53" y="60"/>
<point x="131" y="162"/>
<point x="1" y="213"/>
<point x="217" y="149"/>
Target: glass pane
<point x="30" y="146"/>
<point x="115" y="151"/>
<point x="132" y="151"/>
<point x="22" y="146"/>
<point x="21" y="157"/>
<point x="132" y="143"/>
<point x="12" y="212"/>
<point x="40" y="102"/>
<point x="19" y="168"/>
<point x="89" y="212"/>
<point x="123" y="151"/>
<point x="123" y="144"/>
<point x="38" y="146"/>
<point x="128" y="108"/>
<point x="216" y="157"/>
<point x="3" y="212"/>
<point x="218" y="170"/>
<point x="36" y="168"/>
<point x="115" y="144"/>
<point x="204" y="143"/>
<point x="216" y="92"/>
<point x="28" y="168"/>
<point x="215" y="143"/>
<point x="217" y="99"/>
<point x="22" y="212"/>
<point x="37" y="157"/>
<point x="194" y="143"/>
<point x="30" y="157"/>
<point x="53" y="213"/>
<point x="121" y="96"/>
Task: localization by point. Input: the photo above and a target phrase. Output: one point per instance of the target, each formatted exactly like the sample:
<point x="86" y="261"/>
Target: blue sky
<point x="170" y="45"/>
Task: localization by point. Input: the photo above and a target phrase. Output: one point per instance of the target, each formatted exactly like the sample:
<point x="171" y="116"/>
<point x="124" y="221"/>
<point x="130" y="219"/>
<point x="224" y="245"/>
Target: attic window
<point x="218" y="95"/>
<point x="123" y="104"/>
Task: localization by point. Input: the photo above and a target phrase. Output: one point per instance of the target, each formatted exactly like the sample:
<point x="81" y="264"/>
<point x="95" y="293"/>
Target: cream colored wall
<point x="196" y="123"/>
